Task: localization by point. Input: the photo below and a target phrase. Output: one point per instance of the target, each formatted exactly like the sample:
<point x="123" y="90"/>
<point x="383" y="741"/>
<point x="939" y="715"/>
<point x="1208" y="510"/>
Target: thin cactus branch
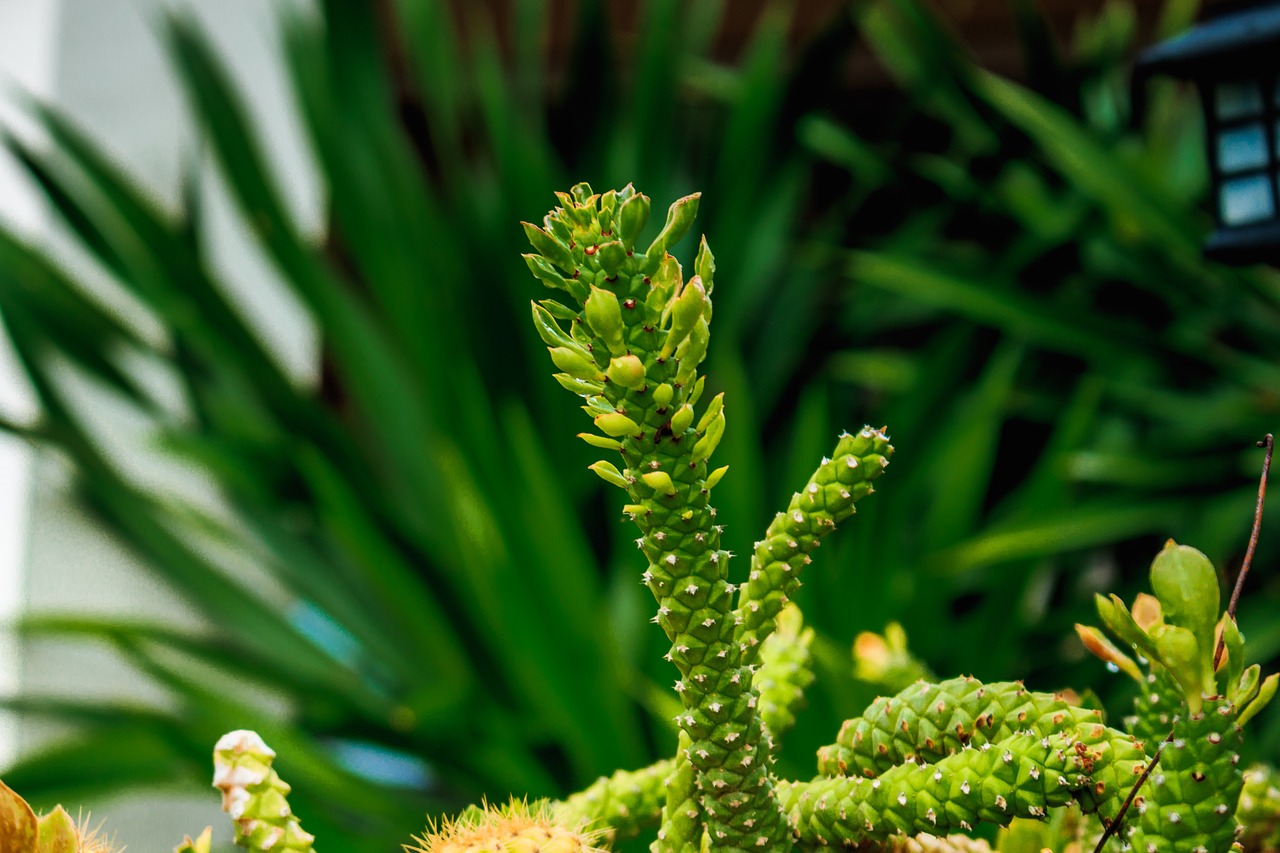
<point x="826" y="500"/>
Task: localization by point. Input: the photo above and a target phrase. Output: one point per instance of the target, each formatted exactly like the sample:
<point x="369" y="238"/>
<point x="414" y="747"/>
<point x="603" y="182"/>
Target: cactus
<point x="917" y="771"/>
<point x="1259" y="810"/>
<point x="517" y="827"/>
<point x="1201" y="697"/>
<point x="784" y="672"/>
<point x="927" y="722"/>
<point x="254" y="795"/>
<point x="1023" y="775"/>
<point x="622" y="805"/>
<point x="21" y="831"/>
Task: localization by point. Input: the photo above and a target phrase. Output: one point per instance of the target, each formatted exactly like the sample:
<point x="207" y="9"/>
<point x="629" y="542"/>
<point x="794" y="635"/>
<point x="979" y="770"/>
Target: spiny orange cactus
<point x="516" y="827"/>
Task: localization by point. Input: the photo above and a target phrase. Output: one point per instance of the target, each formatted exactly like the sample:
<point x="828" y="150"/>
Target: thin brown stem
<point x="1118" y="821"/>
<point x="1269" y="443"/>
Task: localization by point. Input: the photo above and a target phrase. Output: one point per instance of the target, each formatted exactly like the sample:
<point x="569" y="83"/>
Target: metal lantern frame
<point x="1234" y="60"/>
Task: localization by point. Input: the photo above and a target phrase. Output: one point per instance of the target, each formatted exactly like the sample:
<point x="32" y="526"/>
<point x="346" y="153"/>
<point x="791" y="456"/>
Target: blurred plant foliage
<point x="1008" y="275"/>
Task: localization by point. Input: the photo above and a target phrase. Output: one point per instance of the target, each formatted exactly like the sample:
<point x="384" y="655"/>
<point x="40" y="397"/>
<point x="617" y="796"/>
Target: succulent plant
<point x="21" y="831"/>
<point x="918" y="770"/>
<point x="1197" y="690"/>
<point x="254" y="795"/>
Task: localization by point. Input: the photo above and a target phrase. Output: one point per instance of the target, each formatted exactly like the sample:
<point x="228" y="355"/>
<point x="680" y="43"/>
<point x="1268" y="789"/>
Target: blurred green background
<point x="973" y="242"/>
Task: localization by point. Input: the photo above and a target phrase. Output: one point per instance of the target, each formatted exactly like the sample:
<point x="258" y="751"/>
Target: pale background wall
<point x="101" y="61"/>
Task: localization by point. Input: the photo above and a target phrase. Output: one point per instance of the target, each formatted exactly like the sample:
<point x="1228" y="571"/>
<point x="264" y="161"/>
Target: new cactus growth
<point x="253" y="794"/>
<point x="918" y="770"/>
<point x="1199" y="696"/>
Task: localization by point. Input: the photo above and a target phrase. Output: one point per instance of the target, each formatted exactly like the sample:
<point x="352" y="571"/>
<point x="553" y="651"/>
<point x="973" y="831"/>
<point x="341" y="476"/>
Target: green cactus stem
<point x="826" y="500"/>
<point x="629" y="303"/>
<point x="1024" y="775"/>
<point x="631" y="801"/>
<point x="619" y="806"/>
<point x="682" y="828"/>
<point x="1155" y="707"/>
<point x="927" y="722"/>
<point x="254" y="795"/>
<point x="785" y="671"/>
<point x="1259" y="810"/>
<point x="1189" y="802"/>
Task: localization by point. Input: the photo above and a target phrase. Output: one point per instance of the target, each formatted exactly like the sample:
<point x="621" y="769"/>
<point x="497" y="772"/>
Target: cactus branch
<point x="927" y="722"/>
<point x="254" y="795"/>
<point x="1020" y="776"/>
<point x="619" y="806"/>
<point x="826" y="500"/>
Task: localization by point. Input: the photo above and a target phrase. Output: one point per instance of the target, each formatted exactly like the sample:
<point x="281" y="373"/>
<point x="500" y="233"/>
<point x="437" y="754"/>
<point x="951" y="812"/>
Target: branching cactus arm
<point x="619" y="806"/>
<point x="1021" y="776"/>
<point x="255" y="795"/>
<point x="927" y="722"/>
<point x="826" y="500"/>
<point x="681" y="830"/>
<point x="631" y="801"/>
<point x="637" y="333"/>
<point x="785" y="671"/>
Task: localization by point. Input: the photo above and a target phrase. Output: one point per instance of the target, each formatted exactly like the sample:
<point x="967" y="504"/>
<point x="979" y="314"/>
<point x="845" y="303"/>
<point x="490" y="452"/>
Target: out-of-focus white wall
<point x="103" y="63"/>
<point x="28" y="34"/>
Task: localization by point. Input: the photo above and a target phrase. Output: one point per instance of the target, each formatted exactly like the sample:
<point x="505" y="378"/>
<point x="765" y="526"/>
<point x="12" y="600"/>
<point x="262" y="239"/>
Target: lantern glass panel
<point x="1239" y="99"/>
<point x="1242" y="148"/>
<point x="1246" y="200"/>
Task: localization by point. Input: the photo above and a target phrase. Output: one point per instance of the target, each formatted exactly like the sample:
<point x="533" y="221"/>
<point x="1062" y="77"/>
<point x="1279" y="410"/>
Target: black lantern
<point x="1234" y="59"/>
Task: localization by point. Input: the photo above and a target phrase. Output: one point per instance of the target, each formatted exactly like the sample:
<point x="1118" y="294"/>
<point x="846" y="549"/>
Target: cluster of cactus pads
<point x="921" y="770"/>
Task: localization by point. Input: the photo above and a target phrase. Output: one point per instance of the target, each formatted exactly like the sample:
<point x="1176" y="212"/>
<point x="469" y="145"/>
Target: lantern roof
<point x="1225" y="46"/>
